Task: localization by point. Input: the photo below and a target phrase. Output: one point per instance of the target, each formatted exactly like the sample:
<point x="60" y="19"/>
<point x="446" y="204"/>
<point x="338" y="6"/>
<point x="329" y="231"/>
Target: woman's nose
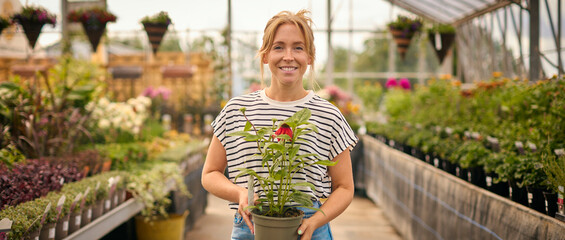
<point x="288" y="55"/>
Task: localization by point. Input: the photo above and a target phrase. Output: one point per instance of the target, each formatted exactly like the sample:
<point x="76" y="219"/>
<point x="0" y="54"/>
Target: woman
<point x="288" y="49"/>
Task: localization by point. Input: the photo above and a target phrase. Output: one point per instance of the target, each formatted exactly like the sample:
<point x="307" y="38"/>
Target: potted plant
<point x="93" y="21"/>
<point x="274" y="217"/>
<point x="21" y="224"/>
<point x="441" y="36"/>
<point x="32" y="19"/>
<point x="4" y="23"/>
<point x="402" y="29"/>
<point x="152" y="188"/>
<point x="156" y="27"/>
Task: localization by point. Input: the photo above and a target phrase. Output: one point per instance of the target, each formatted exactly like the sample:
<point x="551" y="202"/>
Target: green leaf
<point x="280" y="174"/>
<point x="301" y="198"/>
<point x="251" y="138"/>
<point x="246" y="171"/>
<point x="238" y="134"/>
<point x="307" y="184"/>
<point x="276" y="146"/>
<point x="326" y="163"/>
<point x="302" y="115"/>
<point x="247" y="126"/>
<point x="292" y="152"/>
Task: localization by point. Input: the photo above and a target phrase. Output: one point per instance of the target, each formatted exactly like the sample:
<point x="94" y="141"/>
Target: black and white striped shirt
<point x="334" y="136"/>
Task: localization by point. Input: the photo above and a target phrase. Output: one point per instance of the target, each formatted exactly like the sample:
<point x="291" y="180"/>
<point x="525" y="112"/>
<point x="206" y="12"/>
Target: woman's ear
<point x="264" y="59"/>
<point x="310" y="61"/>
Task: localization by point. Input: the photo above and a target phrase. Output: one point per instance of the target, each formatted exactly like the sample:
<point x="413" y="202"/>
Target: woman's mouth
<point x="288" y="69"/>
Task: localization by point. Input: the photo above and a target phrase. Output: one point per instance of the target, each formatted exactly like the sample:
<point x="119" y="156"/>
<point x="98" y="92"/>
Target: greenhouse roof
<point x="449" y="11"/>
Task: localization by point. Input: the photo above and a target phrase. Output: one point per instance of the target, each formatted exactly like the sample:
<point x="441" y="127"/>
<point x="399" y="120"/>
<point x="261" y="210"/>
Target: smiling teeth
<point x="287" y="68"/>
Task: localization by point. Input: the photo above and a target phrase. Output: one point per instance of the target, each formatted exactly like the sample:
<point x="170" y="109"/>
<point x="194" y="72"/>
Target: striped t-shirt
<point x="333" y="137"/>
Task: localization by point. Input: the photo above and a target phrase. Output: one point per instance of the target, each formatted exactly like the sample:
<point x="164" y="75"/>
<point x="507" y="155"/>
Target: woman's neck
<point x="285" y="95"/>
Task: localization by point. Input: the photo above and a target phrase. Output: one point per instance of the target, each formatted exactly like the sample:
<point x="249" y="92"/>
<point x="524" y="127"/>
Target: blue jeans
<point x="241" y="231"/>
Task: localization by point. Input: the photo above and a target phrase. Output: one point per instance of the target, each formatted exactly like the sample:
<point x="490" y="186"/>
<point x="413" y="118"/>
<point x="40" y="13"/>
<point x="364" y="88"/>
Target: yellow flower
<point x="497" y="74"/>
<point x="445" y="76"/>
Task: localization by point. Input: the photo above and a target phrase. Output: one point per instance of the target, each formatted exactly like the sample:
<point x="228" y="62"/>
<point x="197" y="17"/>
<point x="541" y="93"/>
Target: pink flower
<point x="148" y="92"/>
<point x="164" y="92"/>
<point x="405" y="83"/>
<point x="391" y="83"/>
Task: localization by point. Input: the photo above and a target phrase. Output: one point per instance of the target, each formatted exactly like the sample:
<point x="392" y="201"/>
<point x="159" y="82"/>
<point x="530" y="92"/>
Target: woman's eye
<point x="299" y="48"/>
<point x="277" y="47"/>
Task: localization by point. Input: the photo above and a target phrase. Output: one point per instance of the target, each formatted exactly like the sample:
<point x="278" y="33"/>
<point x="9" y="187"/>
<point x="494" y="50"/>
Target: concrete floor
<point x="362" y="220"/>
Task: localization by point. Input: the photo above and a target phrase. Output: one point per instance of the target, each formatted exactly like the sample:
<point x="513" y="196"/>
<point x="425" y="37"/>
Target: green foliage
<point x="37" y="115"/>
<point x="371" y="95"/>
<point x="555" y="166"/>
<point x="441" y="28"/>
<point x="152" y="187"/>
<point x="281" y="161"/>
<point x="162" y="17"/>
<point x="123" y="155"/>
<point x="10" y="155"/>
<point x="508" y="110"/>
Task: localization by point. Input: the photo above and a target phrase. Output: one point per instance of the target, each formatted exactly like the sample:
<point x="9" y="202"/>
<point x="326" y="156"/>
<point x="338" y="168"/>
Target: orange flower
<point x="497" y="74"/>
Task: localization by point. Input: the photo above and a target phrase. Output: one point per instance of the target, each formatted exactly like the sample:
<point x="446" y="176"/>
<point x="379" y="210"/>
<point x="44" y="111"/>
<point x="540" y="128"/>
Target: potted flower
<point x="93" y="21"/>
<point x="156" y="27"/>
<point x="277" y="216"/>
<point x="152" y="187"/>
<point x="32" y="19"/>
<point x="402" y="29"/>
<point x="441" y="36"/>
<point x="4" y="23"/>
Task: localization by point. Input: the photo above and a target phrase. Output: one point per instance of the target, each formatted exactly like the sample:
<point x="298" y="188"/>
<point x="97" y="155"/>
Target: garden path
<point x="363" y="220"/>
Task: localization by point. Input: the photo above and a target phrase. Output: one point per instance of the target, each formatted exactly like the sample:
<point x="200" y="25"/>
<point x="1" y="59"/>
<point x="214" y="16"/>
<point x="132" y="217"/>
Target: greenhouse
<point x="349" y="119"/>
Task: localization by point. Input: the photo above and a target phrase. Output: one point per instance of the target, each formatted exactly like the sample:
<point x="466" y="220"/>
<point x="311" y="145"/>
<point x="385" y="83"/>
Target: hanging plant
<point x="156" y="26"/>
<point x="441" y="36"/>
<point x="32" y="19"/>
<point x="402" y="30"/>
<point x="93" y="21"/>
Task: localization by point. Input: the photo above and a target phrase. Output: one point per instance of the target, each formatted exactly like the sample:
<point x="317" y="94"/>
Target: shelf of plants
<point x="504" y="135"/>
<point x="114" y="159"/>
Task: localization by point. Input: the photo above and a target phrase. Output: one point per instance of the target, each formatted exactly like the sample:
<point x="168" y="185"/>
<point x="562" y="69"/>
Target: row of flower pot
<point x="63" y="212"/>
<point x="73" y="221"/>
<point x="541" y="200"/>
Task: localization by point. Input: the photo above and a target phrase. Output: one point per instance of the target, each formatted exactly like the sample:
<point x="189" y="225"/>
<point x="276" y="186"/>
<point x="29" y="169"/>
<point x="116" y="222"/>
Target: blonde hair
<point x="303" y="23"/>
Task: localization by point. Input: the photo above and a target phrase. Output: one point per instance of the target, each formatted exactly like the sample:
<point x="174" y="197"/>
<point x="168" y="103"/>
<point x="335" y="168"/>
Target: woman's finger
<point x="247" y="218"/>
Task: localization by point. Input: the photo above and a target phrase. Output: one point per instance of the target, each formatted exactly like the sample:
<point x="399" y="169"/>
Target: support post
<point x="535" y="64"/>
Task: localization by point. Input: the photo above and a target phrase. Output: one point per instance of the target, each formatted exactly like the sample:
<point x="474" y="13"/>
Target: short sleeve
<point x="219" y="125"/>
<point x="343" y="137"/>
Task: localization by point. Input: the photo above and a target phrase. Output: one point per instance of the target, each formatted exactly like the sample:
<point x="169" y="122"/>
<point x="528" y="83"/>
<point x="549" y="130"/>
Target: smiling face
<point x="287" y="57"/>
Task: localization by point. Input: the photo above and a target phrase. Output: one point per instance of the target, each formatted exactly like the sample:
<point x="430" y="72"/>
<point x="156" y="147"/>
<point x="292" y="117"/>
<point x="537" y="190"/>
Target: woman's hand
<point x="246" y="214"/>
<point x="307" y="228"/>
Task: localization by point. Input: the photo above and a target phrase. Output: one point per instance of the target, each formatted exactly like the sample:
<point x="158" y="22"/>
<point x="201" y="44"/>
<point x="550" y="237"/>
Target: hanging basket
<point x="94" y="33"/>
<point x="32" y="30"/>
<point x="155" y="33"/>
<point x="402" y="40"/>
<point x="446" y="40"/>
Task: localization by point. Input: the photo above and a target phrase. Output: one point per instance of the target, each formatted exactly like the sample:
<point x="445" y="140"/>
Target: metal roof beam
<point x="497" y="5"/>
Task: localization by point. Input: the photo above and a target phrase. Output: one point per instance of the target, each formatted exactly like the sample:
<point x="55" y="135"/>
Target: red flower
<point x="284" y="129"/>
